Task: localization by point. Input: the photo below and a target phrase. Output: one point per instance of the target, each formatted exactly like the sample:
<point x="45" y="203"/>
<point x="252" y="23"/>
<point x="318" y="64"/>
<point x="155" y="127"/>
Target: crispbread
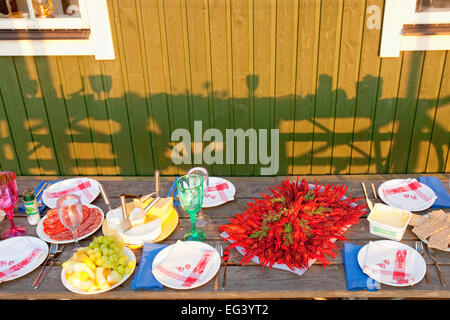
<point x="438" y="214"/>
<point x="430" y="227"/>
<point x="417" y="220"/>
<point x="440" y="239"/>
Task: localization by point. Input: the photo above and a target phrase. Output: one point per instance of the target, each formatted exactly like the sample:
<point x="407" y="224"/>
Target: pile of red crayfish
<point x="294" y="224"/>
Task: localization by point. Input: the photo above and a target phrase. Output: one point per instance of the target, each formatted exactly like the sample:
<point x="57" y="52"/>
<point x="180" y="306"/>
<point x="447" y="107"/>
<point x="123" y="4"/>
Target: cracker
<point x="438" y="214"/>
<point x="417" y="220"/>
<point x="429" y="227"/>
<point x="440" y="239"/>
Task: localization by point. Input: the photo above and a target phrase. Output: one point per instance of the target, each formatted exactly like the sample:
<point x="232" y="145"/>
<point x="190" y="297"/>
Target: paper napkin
<point x="443" y="197"/>
<point x="144" y="278"/>
<point x="356" y="278"/>
<point x="185" y="265"/>
<point x="389" y="264"/>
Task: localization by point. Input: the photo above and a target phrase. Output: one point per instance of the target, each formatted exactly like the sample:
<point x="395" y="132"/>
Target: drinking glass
<point x="70" y="213"/>
<point x="202" y="218"/>
<point x="190" y="193"/>
<point x="43" y="8"/>
<point x="8" y="200"/>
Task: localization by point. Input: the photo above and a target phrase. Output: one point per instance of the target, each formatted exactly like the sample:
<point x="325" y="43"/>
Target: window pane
<point x="432" y="5"/>
<point x="42" y="9"/>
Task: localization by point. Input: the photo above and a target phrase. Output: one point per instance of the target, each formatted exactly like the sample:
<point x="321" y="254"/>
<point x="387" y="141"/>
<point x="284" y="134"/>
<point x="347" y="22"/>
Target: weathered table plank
<point x="250" y="281"/>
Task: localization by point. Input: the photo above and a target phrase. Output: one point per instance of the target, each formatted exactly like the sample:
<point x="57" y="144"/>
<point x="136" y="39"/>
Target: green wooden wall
<point x="307" y="67"/>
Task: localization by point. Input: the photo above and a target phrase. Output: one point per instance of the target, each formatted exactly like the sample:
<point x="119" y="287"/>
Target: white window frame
<point x="400" y="12"/>
<point x="94" y="16"/>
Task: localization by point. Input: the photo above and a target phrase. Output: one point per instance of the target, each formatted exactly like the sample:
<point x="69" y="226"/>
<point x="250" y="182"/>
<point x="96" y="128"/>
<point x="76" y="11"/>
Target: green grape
<point x="120" y="270"/>
<point x="122" y="260"/>
<point x="127" y="270"/>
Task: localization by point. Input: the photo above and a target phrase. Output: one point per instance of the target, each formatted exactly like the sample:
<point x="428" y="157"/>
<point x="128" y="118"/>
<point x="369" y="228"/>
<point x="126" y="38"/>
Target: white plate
<point x="212" y="199"/>
<point x="407" y="204"/>
<point x="94" y="190"/>
<point x="418" y="271"/>
<point x="41" y="234"/>
<point x="68" y="286"/>
<point x="36" y="262"/>
<point x="197" y="244"/>
<point x="426" y="241"/>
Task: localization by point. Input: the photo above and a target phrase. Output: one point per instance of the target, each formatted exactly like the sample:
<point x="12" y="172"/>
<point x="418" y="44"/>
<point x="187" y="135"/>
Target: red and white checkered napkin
<point x="14" y="258"/>
<point x="389" y="264"/>
<point x="184" y="266"/>
<point x="408" y="194"/>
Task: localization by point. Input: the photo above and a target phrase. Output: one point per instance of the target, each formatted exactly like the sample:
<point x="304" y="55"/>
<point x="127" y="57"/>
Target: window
<point x="415" y="25"/>
<point x="55" y="27"/>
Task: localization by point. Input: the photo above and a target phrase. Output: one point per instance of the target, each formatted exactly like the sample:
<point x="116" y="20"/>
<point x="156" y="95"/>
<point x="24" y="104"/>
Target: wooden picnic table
<point x="243" y="282"/>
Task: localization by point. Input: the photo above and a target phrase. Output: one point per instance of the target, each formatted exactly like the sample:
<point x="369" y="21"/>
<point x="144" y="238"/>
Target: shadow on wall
<point x="92" y="133"/>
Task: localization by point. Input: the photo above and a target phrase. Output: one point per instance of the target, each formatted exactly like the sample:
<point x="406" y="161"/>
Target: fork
<point x="431" y="254"/>
<point x="51" y="253"/>
<point x="52" y="262"/>
<point x="216" y="280"/>
<point x="419" y="249"/>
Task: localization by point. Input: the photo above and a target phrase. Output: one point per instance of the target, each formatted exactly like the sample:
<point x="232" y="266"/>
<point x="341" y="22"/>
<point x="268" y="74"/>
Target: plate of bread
<point x="433" y="229"/>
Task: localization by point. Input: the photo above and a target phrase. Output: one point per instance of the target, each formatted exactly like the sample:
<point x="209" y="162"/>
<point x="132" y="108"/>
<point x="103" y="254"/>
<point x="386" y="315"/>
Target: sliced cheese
<point x="161" y="209"/>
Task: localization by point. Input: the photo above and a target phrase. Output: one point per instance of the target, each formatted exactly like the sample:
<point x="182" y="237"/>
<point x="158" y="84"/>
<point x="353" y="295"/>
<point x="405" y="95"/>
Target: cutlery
<point x="224" y="272"/>
<point x="157" y="182"/>
<point x="419" y="249"/>
<point x="51" y="253"/>
<point x="431" y="254"/>
<point x="216" y="280"/>
<point x="52" y="262"/>
<point x="125" y="224"/>
<point x="105" y="197"/>
<point x="369" y="203"/>
<point x="374" y="192"/>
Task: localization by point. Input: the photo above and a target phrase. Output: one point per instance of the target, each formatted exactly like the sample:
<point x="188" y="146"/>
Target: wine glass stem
<point x="10" y="215"/>
<point x="75" y="236"/>
<point x="193" y="219"/>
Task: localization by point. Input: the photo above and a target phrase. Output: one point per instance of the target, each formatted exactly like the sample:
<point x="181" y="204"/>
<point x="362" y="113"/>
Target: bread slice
<point x="417" y="220"/>
<point x="440" y="240"/>
<point x="431" y="226"/>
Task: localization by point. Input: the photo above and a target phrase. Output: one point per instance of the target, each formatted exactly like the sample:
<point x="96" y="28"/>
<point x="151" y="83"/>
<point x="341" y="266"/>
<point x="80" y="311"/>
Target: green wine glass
<point x="190" y="193"/>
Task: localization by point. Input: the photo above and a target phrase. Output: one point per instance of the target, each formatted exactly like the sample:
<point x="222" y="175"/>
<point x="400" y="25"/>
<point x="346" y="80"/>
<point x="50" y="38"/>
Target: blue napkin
<point x="176" y="203"/>
<point x="443" y="198"/>
<point x="41" y="204"/>
<point x="356" y="278"/>
<point x="144" y="278"/>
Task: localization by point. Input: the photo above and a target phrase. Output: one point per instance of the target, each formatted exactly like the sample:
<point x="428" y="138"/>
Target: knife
<point x="52" y="262"/>
<point x="369" y="203"/>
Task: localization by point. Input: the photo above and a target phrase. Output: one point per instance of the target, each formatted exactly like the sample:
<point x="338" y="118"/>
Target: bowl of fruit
<point x="103" y="265"/>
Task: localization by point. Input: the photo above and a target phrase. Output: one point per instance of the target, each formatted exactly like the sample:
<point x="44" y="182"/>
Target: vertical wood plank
<point x="426" y="110"/>
<point x="79" y="125"/>
<point x="58" y="119"/>
<point x="241" y="71"/>
<point x="159" y="86"/>
<point x="384" y="114"/>
<point x="8" y="156"/>
<point x="101" y="131"/>
<point x="172" y="15"/>
<point x="17" y="118"/>
<point x="286" y="65"/>
<point x="349" y="63"/>
<point x="307" y="56"/>
<point x="135" y="90"/>
<point x="263" y="78"/>
<point x="221" y="72"/>
<point x="406" y="110"/>
<point x="368" y="81"/>
<point x="440" y="137"/>
<point x="36" y="115"/>
<point x="113" y="85"/>
<point x="327" y="72"/>
<point x="199" y="72"/>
